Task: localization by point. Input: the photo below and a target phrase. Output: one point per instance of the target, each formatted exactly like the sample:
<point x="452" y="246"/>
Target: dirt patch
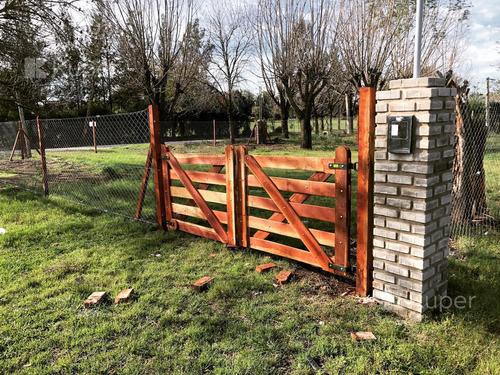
<point x="317" y="283"/>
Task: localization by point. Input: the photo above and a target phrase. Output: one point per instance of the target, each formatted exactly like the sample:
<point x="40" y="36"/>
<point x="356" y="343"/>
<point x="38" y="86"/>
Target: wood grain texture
<point x="289" y="213"/>
<point x="366" y="140"/>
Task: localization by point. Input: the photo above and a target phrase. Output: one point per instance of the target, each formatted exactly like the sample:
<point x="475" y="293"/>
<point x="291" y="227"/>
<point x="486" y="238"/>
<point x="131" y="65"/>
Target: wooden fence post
<point x="21" y="139"/>
<point x="154" y="129"/>
<point x="342" y="206"/>
<point x="215" y="137"/>
<point x="231" y="196"/>
<point x="94" y="136"/>
<point x="366" y="144"/>
<point x="242" y="234"/>
<point x="42" y="157"/>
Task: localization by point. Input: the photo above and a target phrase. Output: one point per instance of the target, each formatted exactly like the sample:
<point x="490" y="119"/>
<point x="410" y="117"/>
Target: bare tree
<point x="230" y="42"/>
<point x="376" y="38"/>
<point x="296" y="48"/>
<point x="25" y="25"/>
<point x="154" y="43"/>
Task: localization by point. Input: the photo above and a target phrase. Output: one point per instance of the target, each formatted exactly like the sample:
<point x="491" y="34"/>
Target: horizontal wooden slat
<point x="305" y="210"/>
<point x="205" y="177"/>
<point x="196" y="212"/>
<point x="197" y="230"/>
<point x="292" y="162"/>
<point x="208" y="195"/>
<point x="284" y="251"/>
<point x="325" y="189"/>
<point x="201" y="159"/>
<point x="323" y="238"/>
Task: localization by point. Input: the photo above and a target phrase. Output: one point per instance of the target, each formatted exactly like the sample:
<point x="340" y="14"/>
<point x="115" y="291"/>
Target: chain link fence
<point x="98" y="161"/>
<point x="475" y="206"/>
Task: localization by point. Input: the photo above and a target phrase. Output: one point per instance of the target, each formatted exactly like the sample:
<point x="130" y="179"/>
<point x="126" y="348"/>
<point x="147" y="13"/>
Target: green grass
<point x="56" y="253"/>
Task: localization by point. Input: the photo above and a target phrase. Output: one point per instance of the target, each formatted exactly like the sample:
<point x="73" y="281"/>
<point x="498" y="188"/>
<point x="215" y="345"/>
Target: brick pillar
<point x="412" y="197"/>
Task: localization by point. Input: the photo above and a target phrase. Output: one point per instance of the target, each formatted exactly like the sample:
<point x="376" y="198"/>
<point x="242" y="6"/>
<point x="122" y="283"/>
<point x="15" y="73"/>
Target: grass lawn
<point x="56" y="253"/>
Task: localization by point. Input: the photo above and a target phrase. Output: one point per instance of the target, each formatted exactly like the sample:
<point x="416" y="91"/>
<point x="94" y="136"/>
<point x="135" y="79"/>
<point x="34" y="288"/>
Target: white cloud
<point x="482" y="56"/>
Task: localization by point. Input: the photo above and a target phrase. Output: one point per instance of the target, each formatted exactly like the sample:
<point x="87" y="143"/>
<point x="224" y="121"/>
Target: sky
<point x="482" y="56"/>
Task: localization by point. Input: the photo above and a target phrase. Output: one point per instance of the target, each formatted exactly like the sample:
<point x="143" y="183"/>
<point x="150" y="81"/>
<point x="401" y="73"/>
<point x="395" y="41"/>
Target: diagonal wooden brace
<point x="289" y="213"/>
<point x="295" y="198"/>
<point x="188" y="184"/>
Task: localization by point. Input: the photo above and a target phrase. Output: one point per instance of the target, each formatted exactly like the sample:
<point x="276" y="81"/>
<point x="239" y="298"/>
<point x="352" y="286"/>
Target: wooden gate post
<point x="41" y="142"/>
<point x="366" y="144"/>
<point x="154" y="129"/>
<point x="342" y="206"/>
<point x="242" y="228"/>
<point x="231" y="196"/>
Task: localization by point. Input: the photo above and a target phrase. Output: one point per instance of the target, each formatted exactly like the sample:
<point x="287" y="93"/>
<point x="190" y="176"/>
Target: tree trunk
<point x="339" y="121"/>
<point x="285" y="113"/>
<point x="469" y="188"/>
<point x="316" y="125"/>
<point x="306" y="132"/>
<point x="322" y="123"/>
<point x="232" y="128"/>
<point x="348" y="113"/>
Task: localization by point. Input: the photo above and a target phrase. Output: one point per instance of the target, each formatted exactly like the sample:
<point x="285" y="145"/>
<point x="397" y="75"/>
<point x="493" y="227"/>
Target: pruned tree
<point x="25" y="27"/>
<point x="230" y="42"/>
<point x="376" y="38"/>
<point x="297" y="52"/>
<point x="469" y="184"/>
<point x="155" y="47"/>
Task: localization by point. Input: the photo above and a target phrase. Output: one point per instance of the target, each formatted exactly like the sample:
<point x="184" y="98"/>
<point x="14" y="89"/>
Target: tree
<point x="386" y="29"/>
<point x="24" y="27"/>
<point x="230" y="42"/>
<point x="297" y="49"/>
<point x="469" y="185"/>
<point x="153" y="39"/>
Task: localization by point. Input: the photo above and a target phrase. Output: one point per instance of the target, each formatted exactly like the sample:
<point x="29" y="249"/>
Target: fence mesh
<point x="109" y="179"/>
<point x="476" y="170"/>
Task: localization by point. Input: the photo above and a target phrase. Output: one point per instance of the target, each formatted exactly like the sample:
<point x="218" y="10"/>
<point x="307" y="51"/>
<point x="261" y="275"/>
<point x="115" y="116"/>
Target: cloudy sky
<point x="482" y="57"/>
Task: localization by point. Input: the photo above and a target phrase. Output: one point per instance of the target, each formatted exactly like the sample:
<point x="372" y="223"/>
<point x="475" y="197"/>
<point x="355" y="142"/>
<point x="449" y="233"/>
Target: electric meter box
<point x="399" y="134"/>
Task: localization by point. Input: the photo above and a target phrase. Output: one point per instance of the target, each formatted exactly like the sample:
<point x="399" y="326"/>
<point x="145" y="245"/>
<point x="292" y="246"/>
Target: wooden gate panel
<point x="188" y="184"/>
<point x="237" y="180"/>
<point x="289" y="213"/>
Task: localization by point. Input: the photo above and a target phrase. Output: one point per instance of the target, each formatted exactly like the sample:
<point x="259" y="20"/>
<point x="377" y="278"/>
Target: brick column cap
<point x="417" y="82"/>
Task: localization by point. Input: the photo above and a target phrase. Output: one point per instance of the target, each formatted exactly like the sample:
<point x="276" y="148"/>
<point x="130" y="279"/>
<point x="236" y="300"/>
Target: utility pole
<point x="418" y="39"/>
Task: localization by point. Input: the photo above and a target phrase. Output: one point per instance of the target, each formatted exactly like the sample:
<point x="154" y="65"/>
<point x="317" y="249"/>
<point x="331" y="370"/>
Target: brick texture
<point x="412" y="197"/>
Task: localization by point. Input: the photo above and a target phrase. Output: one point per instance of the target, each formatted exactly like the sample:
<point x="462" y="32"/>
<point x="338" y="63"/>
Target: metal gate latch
<point x="343" y="166"/>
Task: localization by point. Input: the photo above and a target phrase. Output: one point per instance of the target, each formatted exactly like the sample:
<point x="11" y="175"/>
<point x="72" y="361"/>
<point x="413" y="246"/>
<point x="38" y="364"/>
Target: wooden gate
<point x="234" y="195"/>
<point x="225" y="196"/>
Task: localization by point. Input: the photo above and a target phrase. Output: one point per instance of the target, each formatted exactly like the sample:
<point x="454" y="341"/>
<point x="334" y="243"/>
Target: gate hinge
<point x="336" y="267"/>
<point x="165" y="157"/>
<point x="343" y="166"/>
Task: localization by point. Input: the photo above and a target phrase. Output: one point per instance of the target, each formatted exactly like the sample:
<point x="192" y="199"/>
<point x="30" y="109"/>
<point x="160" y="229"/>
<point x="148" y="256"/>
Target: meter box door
<point x="400" y="134"/>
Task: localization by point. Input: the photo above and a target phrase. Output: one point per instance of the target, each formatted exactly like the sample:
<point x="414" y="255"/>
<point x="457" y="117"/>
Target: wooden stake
<point x="42" y="157"/>
<point x="366" y="137"/>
